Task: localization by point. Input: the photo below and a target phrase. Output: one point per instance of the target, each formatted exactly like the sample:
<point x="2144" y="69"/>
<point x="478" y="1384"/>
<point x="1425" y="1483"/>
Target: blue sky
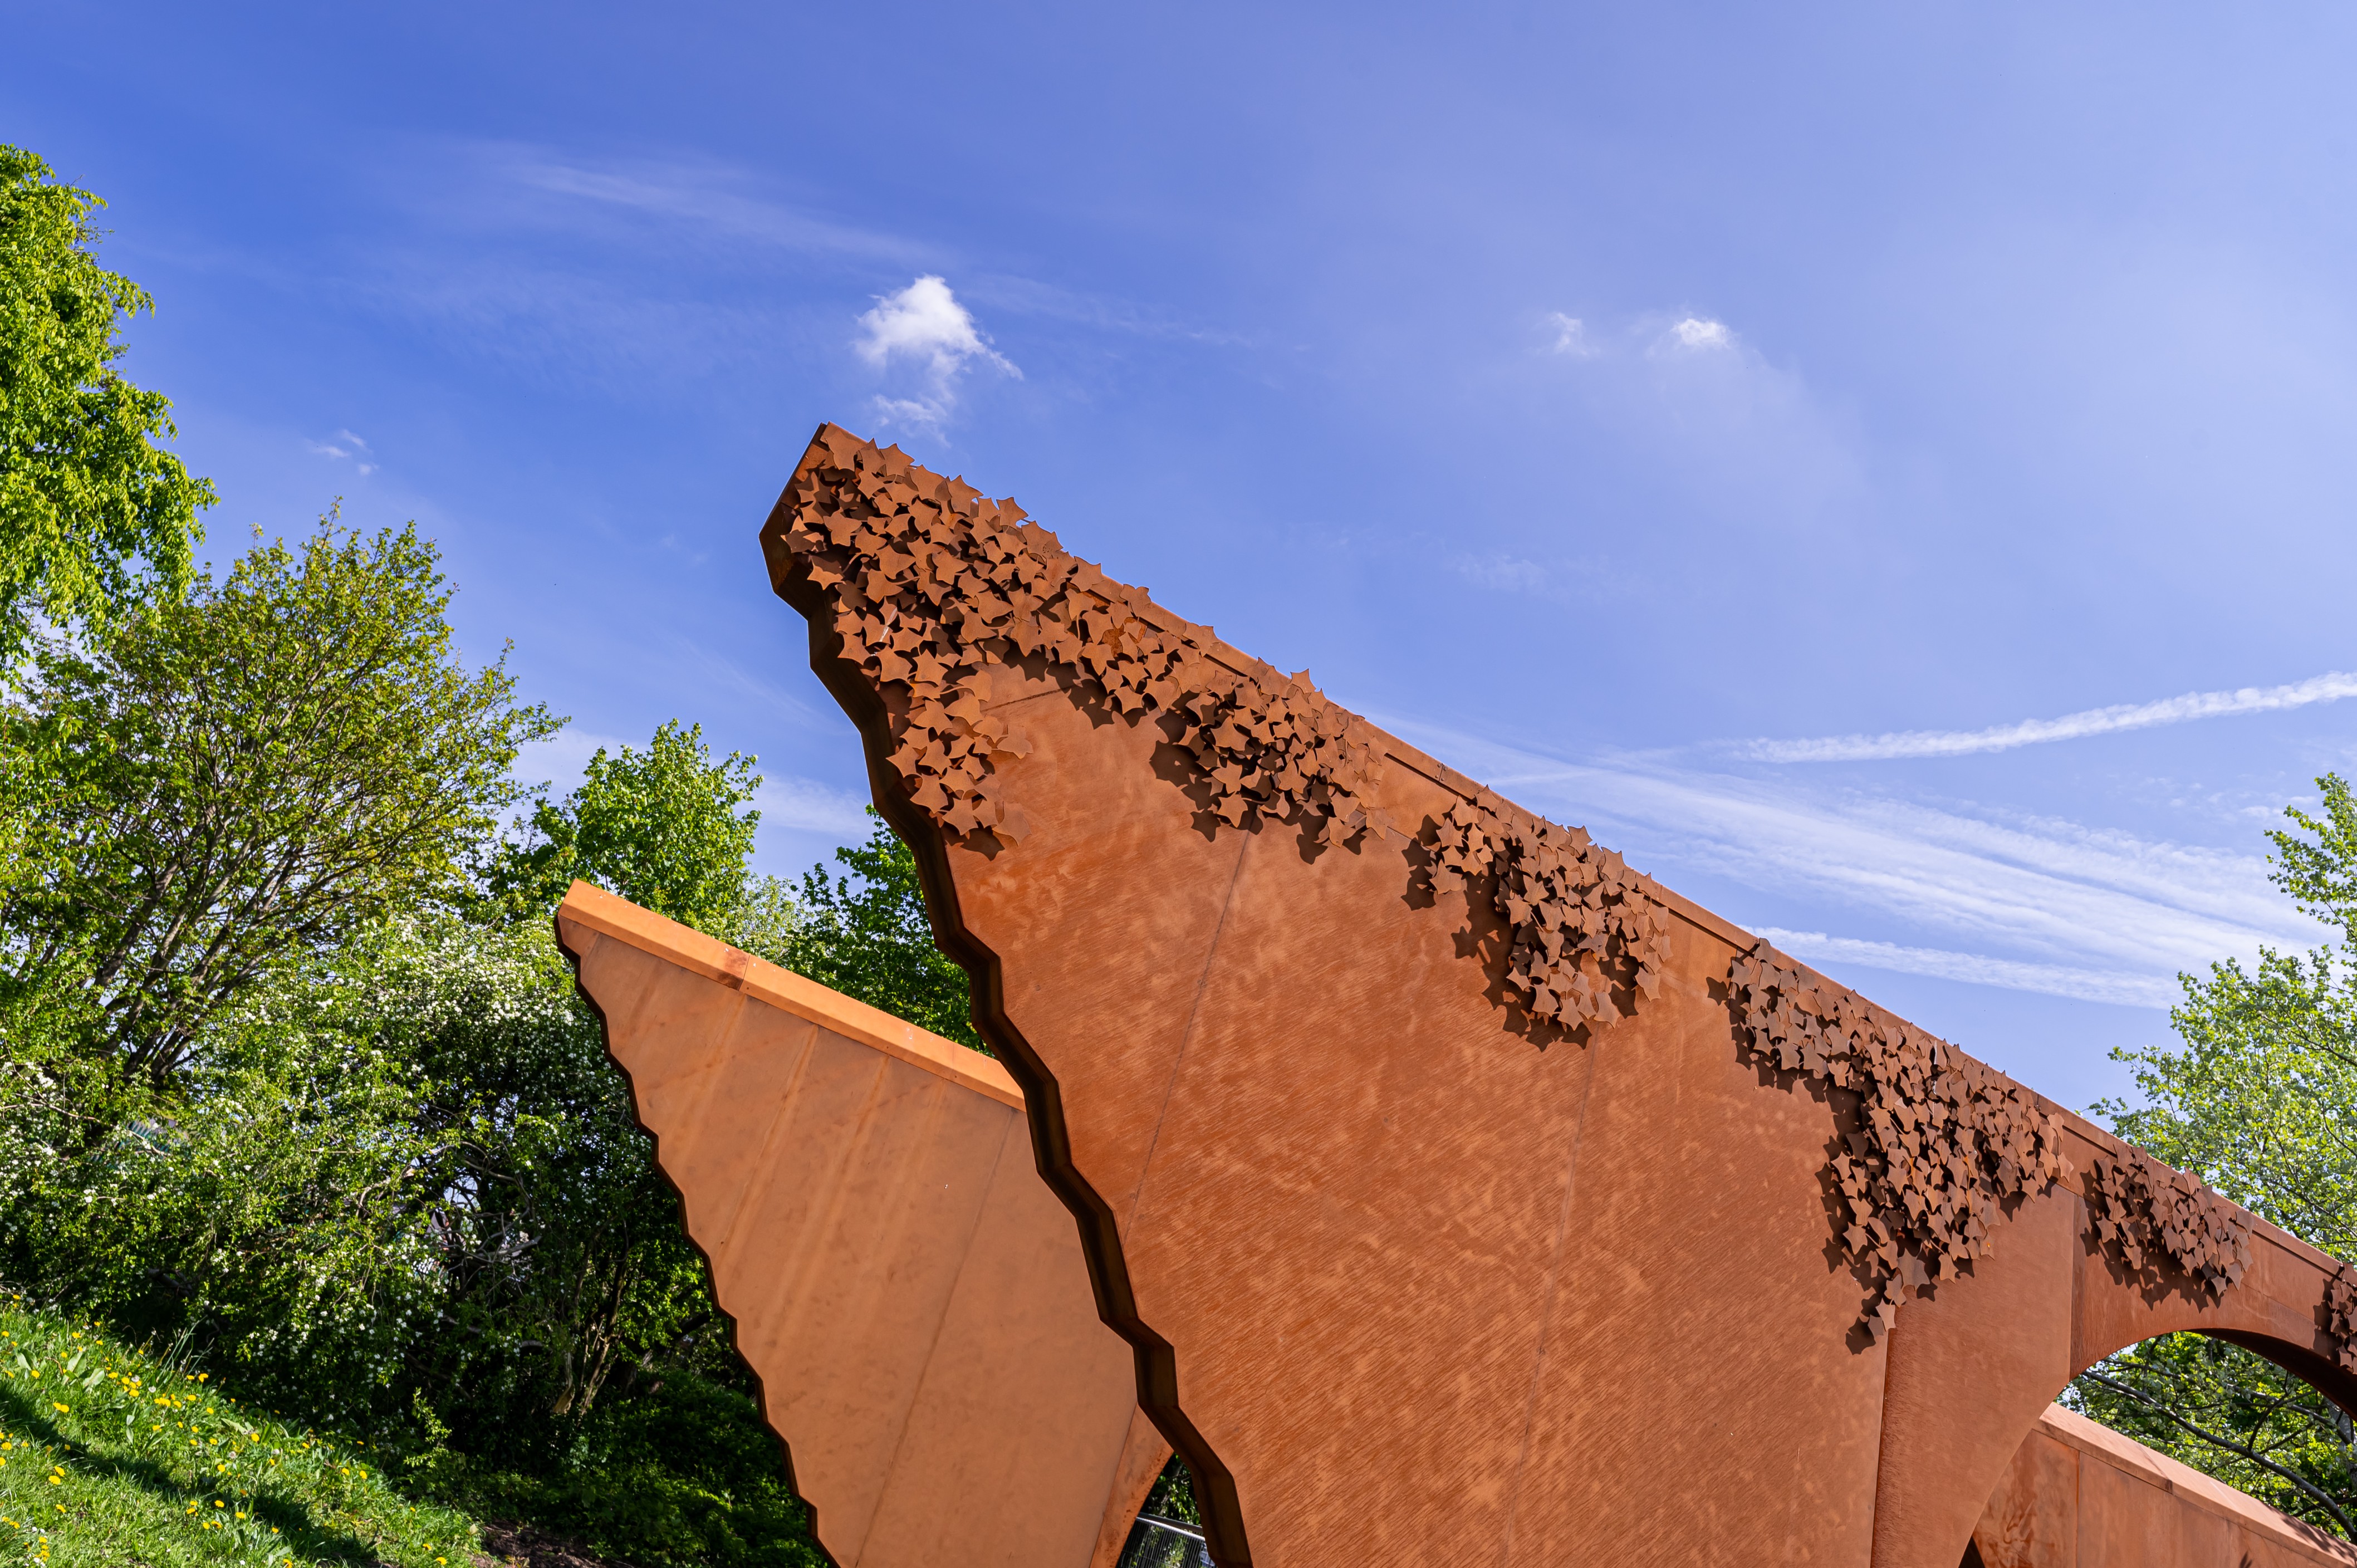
<point x="1606" y="399"/>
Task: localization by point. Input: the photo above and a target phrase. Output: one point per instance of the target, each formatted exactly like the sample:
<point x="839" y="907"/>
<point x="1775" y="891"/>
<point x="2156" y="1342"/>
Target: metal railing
<point x="1157" y="1542"/>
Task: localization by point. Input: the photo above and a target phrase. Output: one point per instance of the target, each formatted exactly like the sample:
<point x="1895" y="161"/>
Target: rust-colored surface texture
<point x="910" y="1295"/>
<point x="1468" y="1195"/>
<point x="2080" y="1495"/>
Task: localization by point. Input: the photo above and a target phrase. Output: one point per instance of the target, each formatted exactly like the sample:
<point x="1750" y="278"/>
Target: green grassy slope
<point x="108" y="1456"/>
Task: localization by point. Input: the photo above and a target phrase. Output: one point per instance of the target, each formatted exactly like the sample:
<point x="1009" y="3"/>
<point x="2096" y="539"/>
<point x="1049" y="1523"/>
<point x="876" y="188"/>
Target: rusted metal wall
<point x="1465" y="1194"/>
<point x="791" y="1112"/>
<point x="910" y="1295"/>
<point x="2079" y="1496"/>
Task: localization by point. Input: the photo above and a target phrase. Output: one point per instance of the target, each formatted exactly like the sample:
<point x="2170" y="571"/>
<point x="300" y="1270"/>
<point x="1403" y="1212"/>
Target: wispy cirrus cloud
<point x="344" y="443"/>
<point x="1976" y="968"/>
<point x="714" y="672"/>
<point x="1038" y="300"/>
<point x="1504" y="573"/>
<point x="809" y="806"/>
<point x="559" y="761"/>
<point x="2025" y="903"/>
<point x="1745" y="438"/>
<point x="1571" y="336"/>
<point x="2330" y="687"/>
<point x="716" y="197"/>
<point x="635" y="276"/>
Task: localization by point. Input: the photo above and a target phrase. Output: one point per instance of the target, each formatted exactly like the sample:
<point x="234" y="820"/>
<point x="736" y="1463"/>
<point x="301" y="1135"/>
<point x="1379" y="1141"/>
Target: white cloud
<point x="1694" y="408"/>
<point x="1570" y="336"/>
<point x="344" y="443"/>
<point x="2327" y="688"/>
<point x="1574" y="338"/>
<point x="924" y="324"/>
<point x="923" y="320"/>
<point x="1697" y="332"/>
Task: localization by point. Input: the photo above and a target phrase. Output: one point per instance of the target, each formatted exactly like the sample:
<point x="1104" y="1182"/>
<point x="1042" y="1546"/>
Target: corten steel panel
<point x="1413" y="1270"/>
<point x="910" y="1295"/>
<point x="2077" y="1495"/>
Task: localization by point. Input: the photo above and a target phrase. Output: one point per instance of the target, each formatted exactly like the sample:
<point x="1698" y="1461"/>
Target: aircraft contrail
<point x="2329" y="688"/>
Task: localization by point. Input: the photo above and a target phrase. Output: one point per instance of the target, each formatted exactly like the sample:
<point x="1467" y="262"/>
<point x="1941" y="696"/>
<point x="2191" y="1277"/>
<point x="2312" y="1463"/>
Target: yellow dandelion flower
<point x="63" y="1409"/>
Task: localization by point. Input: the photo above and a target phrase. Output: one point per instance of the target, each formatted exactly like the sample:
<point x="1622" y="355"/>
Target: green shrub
<point x="401" y="1191"/>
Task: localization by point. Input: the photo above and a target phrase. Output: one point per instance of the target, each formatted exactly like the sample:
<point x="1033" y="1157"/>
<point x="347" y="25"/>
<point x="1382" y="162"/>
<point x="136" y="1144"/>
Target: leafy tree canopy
<point x="662" y="827"/>
<point x="2261" y="1098"/>
<point x="871" y="940"/>
<point x="265" y="768"/>
<point x="2260" y="1101"/>
<point x="94" y="515"/>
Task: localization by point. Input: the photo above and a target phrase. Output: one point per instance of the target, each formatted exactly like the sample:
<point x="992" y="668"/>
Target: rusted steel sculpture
<point x="912" y="1298"/>
<point x="2079" y="1496"/>
<point x="869" y="1400"/>
<point x="1465" y="1195"/>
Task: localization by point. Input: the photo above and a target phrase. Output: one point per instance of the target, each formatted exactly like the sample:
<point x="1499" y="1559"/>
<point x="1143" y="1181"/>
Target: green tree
<point x="2260" y="1101"/>
<point x="402" y="1188"/>
<point x="250" y="774"/>
<point x="2258" y="1098"/>
<point x="277" y="1202"/>
<point x="94" y="515"/>
<point x="870" y="939"/>
<point x="1172" y="1501"/>
<point x="662" y="827"/>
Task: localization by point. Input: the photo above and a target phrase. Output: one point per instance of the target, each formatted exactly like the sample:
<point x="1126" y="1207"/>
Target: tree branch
<point x="2239" y="1450"/>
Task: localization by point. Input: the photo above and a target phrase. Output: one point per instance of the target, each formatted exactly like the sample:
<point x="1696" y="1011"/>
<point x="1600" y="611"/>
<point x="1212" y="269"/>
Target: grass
<point x="110" y="1455"/>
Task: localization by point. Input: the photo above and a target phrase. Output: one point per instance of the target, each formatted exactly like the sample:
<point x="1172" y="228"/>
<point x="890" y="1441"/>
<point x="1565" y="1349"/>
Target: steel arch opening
<point x="2205" y="1406"/>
